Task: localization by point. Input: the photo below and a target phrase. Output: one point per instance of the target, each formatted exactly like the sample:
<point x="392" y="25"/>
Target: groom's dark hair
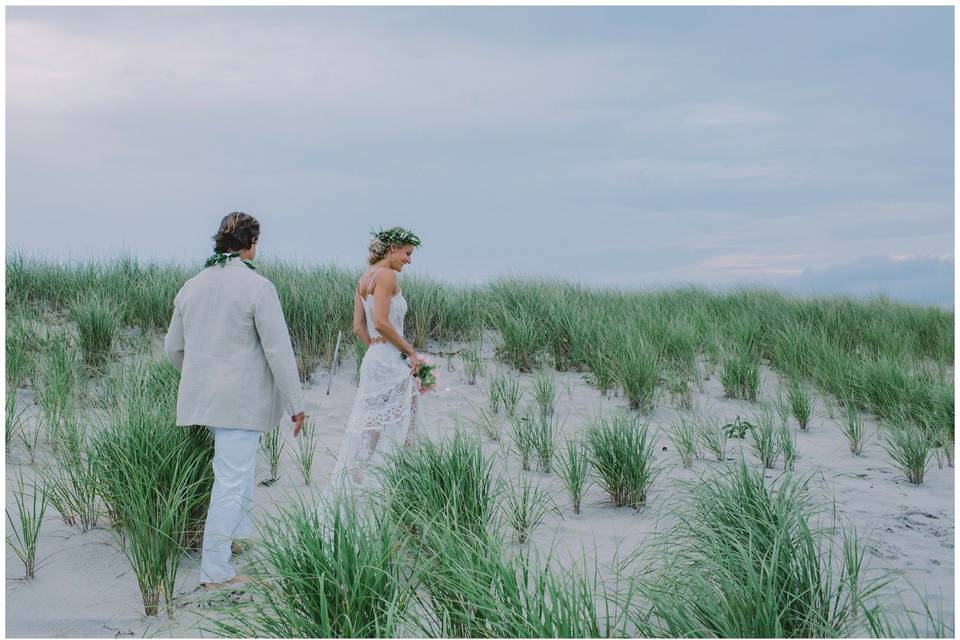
<point x="238" y="231"/>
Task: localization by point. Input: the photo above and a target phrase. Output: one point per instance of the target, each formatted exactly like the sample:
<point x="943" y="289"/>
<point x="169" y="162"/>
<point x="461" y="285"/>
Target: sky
<point x="809" y="149"/>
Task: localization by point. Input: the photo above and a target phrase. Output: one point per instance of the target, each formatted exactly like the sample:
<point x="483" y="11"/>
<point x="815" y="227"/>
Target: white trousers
<point x="231" y="501"/>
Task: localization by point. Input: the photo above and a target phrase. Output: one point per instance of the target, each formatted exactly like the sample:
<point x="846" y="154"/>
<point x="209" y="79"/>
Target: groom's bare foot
<point x="235" y="582"/>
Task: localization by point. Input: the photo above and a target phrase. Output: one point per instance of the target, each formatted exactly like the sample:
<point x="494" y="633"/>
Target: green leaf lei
<point x="221" y="259"/>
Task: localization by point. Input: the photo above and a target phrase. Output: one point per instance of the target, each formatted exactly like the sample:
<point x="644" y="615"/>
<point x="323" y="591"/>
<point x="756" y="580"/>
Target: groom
<point x="229" y="339"/>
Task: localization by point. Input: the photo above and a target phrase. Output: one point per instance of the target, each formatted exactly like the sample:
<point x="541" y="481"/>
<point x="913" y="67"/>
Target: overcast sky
<point x="805" y="148"/>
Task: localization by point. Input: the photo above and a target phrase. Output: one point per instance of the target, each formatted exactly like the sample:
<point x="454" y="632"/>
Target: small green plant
<point x="472" y="363"/>
<point x="545" y="429"/>
<point x="801" y="402"/>
<point x="31" y="439"/>
<point x="525" y="506"/>
<point x="574" y="466"/>
<point x="545" y="392"/>
<point x="788" y="447"/>
<point x="13" y="419"/>
<point x="510" y="394"/>
<point x="713" y="437"/>
<point x="271" y="445"/>
<point x="763" y="438"/>
<point x="685" y="437"/>
<point x="853" y="428"/>
<point x="910" y="449"/>
<point x="486" y="423"/>
<point x="306" y="449"/>
<point x="24" y="532"/>
<point x="737" y="429"/>
<point x="621" y="453"/>
<point x="495" y="391"/>
<point x="782" y="406"/>
<point x="523" y="436"/>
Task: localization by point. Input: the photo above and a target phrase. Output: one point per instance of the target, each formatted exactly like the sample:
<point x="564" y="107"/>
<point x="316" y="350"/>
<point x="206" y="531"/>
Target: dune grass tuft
<point x="24" y="530"/>
<point x="327" y="570"/>
<point x="620" y="450"/>
<point x="910" y="448"/>
<point x="744" y="561"/>
<point x="574" y="471"/>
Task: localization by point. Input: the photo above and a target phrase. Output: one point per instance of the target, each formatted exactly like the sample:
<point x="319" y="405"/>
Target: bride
<point x="385" y="414"/>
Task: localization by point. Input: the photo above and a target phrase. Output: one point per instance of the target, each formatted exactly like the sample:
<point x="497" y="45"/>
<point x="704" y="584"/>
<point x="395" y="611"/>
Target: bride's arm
<point x="360" y="319"/>
<point x="386" y="286"/>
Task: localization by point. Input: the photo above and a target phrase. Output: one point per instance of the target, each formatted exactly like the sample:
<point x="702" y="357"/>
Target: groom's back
<point x="226" y="379"/>
<point x="218" y="306"/>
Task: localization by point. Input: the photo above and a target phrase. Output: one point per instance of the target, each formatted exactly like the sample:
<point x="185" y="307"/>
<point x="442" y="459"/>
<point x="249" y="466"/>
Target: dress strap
<point x="373" y="275"/>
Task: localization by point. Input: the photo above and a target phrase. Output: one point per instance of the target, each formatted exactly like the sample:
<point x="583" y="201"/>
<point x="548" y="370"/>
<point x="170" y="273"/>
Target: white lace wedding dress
<point x="385" y="414"/>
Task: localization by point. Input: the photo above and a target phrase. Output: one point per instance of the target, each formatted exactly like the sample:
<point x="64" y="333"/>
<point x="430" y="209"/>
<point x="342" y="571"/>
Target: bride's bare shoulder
<point x="374" y="278"/>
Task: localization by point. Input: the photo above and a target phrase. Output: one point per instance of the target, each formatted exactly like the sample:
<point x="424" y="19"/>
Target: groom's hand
<point x="298" y="423"/>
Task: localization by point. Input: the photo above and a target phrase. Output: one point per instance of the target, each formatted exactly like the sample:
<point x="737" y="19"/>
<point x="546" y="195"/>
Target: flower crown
<point x="396" y="236"/>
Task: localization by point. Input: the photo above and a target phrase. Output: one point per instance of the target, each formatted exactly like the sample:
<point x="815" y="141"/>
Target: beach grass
<point x="524" y="506"/>
<point x="544" y="391"/>
<point x="155" y="479"/>
<point x="449" y="481"/>
<point x="764" y="441"/>
<point x="744" y="561"/>
<point x="323" y="570"/>
<point x="306" y="452"/>
<point x="910" y="448"/>
<point x="23" y="528"/>
<point x="875" y="356"/>
<point x="685" y="436"/>
<point x="271" y="446"/>
<point x="801" y="402"/>
<point x="98" y="321"/>
<point x="712" y="436"/>
<point x="852" y="426"/>
<point x="523" y="435"/>
<point x="72" y="481"/>
<point x="620" y="450"/>
<point x="877" y="353"/>
<point x="546" y="430"/>
<point x="573" y="471"/>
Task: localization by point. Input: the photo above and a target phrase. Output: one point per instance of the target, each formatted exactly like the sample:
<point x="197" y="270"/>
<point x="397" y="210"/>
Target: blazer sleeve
<point x="275" y="340"/>
<point x="173" y="342"/>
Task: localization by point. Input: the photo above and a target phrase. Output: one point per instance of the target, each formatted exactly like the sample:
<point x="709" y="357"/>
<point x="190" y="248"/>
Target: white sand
<point x="85" y="587"/>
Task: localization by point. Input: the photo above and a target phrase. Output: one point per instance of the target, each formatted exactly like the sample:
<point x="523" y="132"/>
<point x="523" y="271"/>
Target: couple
<point x="229" y="339"/>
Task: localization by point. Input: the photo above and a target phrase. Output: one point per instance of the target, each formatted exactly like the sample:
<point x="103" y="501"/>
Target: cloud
<point x="913" y="279"/>
<point x="750" y="265"/>
<point x="729" y="115"/>
<point x="663" y="169"/>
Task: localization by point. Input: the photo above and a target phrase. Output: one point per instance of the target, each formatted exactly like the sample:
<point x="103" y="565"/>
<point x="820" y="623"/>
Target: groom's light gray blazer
<point x="230" y="341"/>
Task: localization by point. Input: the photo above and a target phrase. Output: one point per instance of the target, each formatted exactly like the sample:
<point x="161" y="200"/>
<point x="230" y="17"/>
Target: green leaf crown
<point x="396" y="236"/>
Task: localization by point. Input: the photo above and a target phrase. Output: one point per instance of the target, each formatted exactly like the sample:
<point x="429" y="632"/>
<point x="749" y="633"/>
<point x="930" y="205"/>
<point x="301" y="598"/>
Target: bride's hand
<point x="414" y="363"/>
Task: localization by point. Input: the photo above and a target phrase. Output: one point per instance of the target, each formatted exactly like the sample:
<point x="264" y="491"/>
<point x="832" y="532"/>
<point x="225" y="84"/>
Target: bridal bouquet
<point x="426" y="375"/>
